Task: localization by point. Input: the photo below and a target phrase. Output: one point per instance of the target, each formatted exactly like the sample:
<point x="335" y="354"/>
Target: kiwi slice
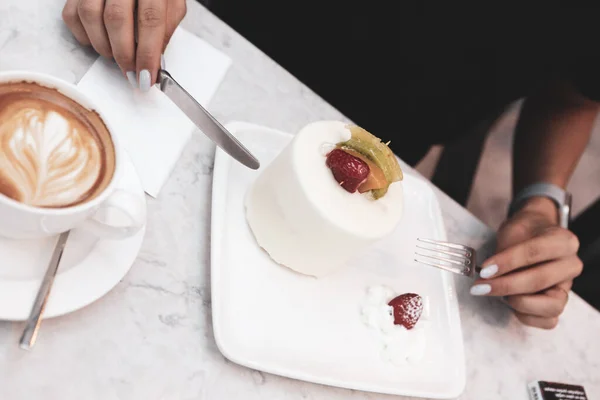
<point x="379" y="193"/>
<point x="379" y="153"/>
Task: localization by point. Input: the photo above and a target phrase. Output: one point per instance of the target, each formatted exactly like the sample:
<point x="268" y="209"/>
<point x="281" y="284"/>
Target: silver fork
<point x="452" y="257"/>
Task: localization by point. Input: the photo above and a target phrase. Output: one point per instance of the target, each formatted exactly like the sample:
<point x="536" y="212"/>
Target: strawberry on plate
<point x="408" y="308"/>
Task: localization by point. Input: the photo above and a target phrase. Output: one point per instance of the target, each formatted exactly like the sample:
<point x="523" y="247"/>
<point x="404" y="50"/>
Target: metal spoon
<point x="35" y="317"/>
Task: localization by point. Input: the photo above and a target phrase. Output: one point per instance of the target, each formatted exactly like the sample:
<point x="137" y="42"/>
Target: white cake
<point x="301" y="215"/>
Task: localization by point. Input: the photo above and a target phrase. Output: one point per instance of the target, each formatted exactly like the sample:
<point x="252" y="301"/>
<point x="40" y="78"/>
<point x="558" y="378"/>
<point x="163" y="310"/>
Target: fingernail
<point x="131" y="79"/>
<point x="480" y="290"/>
<point x="145" y="78"/>
<point x="489" y="271"/>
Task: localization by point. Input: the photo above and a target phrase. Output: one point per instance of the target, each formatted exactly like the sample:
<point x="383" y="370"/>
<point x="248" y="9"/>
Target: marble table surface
<point x="151" y="337"/>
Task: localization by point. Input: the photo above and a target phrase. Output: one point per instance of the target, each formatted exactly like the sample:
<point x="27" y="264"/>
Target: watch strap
<point x="558" y="195"/>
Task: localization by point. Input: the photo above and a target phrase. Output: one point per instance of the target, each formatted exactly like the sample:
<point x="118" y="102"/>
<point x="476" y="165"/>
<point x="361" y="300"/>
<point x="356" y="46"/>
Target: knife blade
<point x="205" y="121"/>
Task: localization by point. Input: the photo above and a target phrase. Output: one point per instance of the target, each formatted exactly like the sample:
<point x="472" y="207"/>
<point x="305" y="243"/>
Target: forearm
<point x="553" y="130"/>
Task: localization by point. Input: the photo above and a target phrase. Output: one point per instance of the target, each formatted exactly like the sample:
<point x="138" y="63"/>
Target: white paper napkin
<point x="150" y="127"/>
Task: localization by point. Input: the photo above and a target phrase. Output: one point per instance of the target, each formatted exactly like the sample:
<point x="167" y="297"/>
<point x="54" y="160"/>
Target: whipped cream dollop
<point x="400" y="346"/>
<point x="47" y="158"/>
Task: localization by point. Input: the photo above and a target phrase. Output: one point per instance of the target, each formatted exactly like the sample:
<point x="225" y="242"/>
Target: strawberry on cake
<point x="330" y="194"/>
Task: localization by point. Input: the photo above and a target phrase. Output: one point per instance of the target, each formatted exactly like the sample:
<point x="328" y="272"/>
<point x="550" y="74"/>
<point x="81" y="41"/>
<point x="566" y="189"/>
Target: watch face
<point x="565" y="211"/>
<point x="568" y="199"/>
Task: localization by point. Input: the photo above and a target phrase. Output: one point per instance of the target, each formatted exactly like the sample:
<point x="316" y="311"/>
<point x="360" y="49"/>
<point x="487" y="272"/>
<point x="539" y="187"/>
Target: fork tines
<point x="451" y="257"/>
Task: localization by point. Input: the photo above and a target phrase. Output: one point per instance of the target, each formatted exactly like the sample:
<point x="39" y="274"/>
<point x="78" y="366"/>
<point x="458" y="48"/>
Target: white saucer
<point x="89" y="269"/>
<point x="269" y="318"/>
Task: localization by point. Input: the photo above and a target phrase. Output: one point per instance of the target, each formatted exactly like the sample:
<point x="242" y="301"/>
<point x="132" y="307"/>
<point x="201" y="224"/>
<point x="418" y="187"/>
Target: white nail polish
<point x="131" y="79"/>
<point x="489" y="271"/>
<point x="481" y="289"/>
<point x="145" y="79"/>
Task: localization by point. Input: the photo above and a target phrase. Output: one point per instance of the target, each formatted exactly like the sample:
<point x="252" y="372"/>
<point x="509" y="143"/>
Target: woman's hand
<point x="535" y="265"/>
<point x="108" y="26"/>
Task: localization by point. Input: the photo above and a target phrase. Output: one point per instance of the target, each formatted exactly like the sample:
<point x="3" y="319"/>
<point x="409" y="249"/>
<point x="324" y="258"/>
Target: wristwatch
<point x="559" y="196"/>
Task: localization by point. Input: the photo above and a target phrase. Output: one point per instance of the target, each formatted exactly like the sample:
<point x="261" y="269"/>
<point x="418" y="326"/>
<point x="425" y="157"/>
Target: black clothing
<point x="418" y="74"/>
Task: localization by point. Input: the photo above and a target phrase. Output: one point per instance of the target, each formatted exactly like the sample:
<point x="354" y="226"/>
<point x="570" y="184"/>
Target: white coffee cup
<point x="21" y="221"/>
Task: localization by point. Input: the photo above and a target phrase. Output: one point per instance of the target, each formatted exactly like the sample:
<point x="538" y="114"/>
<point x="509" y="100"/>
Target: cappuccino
<point x="54" y="153"/>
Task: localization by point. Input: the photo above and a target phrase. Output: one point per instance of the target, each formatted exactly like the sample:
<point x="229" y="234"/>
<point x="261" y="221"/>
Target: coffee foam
<point x="53" y="152"/>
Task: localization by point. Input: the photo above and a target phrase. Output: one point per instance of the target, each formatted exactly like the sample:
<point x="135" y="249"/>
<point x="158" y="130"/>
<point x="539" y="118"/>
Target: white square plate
<point x="271" y="319"/>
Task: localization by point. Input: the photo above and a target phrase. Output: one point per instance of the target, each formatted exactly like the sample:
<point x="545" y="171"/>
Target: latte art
<point x="51" y="154"/>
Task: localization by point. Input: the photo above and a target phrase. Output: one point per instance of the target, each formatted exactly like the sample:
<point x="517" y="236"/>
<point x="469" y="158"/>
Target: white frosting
<point x="47" y="158"/>
<point x="399" y="345"/>
<point x="304" y="219"/>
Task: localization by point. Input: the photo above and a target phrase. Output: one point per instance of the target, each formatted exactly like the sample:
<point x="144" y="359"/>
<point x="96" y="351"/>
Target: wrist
<point x="541" y="205"/>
